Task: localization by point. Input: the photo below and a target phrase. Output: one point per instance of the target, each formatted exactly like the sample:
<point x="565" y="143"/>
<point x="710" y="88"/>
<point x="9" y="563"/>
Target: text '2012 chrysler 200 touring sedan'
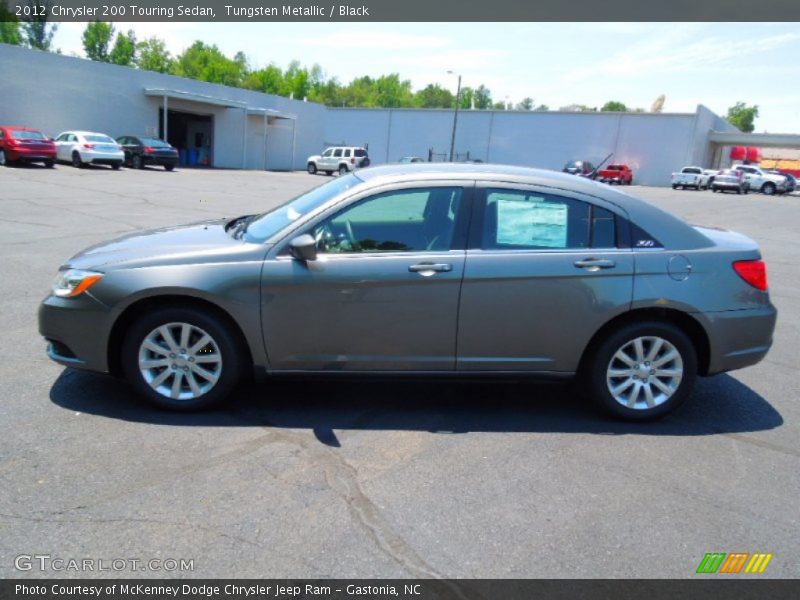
<point x="455" y="269"/>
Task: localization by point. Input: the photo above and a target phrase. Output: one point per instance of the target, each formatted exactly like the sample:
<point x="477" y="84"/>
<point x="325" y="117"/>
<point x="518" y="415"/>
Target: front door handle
<point x="595" y="264"/>
<point x="430" y="268"/>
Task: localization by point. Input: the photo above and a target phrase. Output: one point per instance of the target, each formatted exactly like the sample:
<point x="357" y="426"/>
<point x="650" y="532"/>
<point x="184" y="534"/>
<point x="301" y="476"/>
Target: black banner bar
<point x="405" y="10"/>
<point x="730" y="588"/>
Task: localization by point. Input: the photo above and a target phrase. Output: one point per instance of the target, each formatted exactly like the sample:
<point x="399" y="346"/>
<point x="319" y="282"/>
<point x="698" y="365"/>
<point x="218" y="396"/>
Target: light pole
<point x="455" y="116"/>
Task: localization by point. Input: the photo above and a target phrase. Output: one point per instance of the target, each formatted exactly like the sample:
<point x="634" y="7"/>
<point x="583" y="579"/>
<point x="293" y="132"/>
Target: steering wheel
<point x="354" y="245"/>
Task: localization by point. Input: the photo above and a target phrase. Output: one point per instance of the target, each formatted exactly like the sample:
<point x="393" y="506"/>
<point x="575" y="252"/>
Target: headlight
<point x="73" y="282"/>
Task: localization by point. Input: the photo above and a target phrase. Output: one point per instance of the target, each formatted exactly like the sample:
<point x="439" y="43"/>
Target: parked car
<point x="762" y="181"/>
<point x="580" y="167"/>
<point x="730" y="180"/>
<point x="410" y="159"/>
<point x="87" y="147"/>
<point x="618" y="173"/>
<point x="791" y="180"/>
<point x="143" y="151"/>
<point x="22" y="144"/>
<point x="690" y="177"/>
<point x="377" y="270"/>
<point x="340" y="158"/>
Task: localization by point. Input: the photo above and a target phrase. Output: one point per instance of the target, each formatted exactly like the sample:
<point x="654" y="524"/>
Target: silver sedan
<point x="421" y="269"/>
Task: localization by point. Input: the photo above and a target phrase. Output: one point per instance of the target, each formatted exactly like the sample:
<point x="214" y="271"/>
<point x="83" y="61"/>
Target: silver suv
<point x="338" y="158"/>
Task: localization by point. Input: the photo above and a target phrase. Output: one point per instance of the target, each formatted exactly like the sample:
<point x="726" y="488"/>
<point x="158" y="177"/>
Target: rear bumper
<point x="160" y="160"/>
<point x="103" y="158"/>
<point x="32" y="155"/>
<point x="739" y="338"/>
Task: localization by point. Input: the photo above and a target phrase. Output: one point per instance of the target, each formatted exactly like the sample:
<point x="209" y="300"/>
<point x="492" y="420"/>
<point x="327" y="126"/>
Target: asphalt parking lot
<point x="378" y="479"/>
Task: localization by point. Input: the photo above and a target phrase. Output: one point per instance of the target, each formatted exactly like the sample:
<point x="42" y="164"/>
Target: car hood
<point x="206" y="241"/>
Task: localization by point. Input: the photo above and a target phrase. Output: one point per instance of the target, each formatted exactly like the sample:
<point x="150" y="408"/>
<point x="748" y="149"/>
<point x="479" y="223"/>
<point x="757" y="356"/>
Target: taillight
<point x="88" y="146"/>
<point x="754" y="272"/>
<point x="148" y="150"/>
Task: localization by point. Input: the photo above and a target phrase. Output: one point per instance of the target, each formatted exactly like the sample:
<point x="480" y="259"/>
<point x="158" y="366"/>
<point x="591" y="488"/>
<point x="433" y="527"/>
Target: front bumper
<point x="739" y="338"/>
<point x="76" y="330"/>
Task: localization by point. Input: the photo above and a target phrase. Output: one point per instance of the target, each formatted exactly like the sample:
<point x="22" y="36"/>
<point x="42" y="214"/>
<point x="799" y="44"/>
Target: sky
<point x="557" y="64"/>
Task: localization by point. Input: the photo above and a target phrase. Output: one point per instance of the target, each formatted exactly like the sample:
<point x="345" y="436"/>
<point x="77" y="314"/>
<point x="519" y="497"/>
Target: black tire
<point x="76" y="160"/>
<point x="343" y="170"/>
<point x="232" y="364"/>
<point x="136" y="162"/>
<point x="674" y="187"/>
<point x="738" y="191"/>
<point x="768" y="189"/>
<point x="311" y="168"/>
<point x="594" y="374"/>
<point x="747" y="190"/>
<point x="116" y="165"/>
<point x="169" y="167"/>
<point x="49" y="164"/>
<point x="4" y="162"/>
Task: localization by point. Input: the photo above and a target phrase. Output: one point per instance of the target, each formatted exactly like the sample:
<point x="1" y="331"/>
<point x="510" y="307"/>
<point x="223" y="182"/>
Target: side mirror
<point x="304" y="247"/>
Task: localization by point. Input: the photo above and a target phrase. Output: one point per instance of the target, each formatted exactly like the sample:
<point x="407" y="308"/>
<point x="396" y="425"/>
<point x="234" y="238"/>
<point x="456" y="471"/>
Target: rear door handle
<point x="595" y="264"/>
<point x="432" y="267"/>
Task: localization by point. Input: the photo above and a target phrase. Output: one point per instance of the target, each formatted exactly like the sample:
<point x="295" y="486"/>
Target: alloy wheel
<point x="180" y="361"/>
<point x="644" y="373"/>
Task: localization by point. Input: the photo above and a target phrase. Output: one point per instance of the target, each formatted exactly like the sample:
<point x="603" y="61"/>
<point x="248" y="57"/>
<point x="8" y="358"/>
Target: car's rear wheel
<point x="76" y="160"/>
<point x="311" y="168"/>
<point x="181" y="358"/>
<point x="169" y="167"/>
<point x="116" y="165"/>
<point x="642" y="371"/>
<point x="343" y="170"/>
<point x="49" y="164"/>
<point x="136" y="162"/>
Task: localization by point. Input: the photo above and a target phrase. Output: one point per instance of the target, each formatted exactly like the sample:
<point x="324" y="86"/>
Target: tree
<point x="542" y="108"/>
<point x="614" y="106"/>
<point x="466" y="97"/>
<point x="124" y="51"/>
<point x="268" y="80"/>
<point x="388" y="91"/>
<point x="37" y="33"/>
<point x="96" y="40"/>
<point x="9" y="27"/>
<point x="742" y="116"/>
<point x="153" y="55"/>
<point x="483" y="97"/>
<point x="433" y="96"/>
<point x="207" y="63"/>
<point x="525" y="104"/>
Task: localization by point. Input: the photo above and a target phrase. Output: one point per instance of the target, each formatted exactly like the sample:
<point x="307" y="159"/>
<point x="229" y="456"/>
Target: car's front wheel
<point x="642" y="371"/>
<point x="136" y="162"/>
<point x="311" y="168"/>
<point x="769" y="189"/>
<point x="181" y="358"/>
<point x="3" y="160"/>
<point x="76" y="160"/>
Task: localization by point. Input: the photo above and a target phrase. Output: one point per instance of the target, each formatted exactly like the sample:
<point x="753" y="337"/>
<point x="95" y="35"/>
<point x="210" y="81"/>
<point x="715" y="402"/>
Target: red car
<point x="620" y="174"/>
<point x="21" y="144"/>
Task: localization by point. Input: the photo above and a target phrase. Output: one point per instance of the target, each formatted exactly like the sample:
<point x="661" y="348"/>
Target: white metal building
<point x="227" y="127"/>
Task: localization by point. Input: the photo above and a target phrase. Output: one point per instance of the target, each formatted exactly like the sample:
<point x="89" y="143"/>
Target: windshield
<point x="26" y="135"/>
<point x="270" y="223"/>
<point x="100" y="138"/>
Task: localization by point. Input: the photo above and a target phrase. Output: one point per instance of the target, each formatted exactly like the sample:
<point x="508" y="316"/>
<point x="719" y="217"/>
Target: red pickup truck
<point x="621" y="174"/>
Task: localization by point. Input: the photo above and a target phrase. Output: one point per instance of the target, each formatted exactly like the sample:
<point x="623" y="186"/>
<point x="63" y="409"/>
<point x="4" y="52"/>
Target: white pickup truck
<point x="761" y="181"/>
<point x="690" y="177"/>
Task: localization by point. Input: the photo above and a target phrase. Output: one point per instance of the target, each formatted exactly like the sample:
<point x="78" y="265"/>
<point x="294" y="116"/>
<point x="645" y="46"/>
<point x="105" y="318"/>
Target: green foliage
<point x="124" y="51"/>
<point x="153" y="56"/>
<point x="10" y="33"/>
<point x="434" y="96"/>
<point x="96" y="40"/>
<point x="742" y="116"/>
<point x="207" y="63"/>
<point x="37" y="33"/>
<point x="614" y="106"/>
<point x="483" y="97"/>
<point x="525" y="104"/>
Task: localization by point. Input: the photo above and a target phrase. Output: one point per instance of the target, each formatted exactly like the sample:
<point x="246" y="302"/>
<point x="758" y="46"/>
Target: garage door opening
<point x="192" y="134"/>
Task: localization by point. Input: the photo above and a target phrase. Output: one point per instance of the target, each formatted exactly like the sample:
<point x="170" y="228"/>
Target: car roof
<point x="666" y="227"/>
<point x="18" y="128"/>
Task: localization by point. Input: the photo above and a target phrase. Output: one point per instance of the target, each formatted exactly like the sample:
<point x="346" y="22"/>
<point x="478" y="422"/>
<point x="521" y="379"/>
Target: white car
<point x="761" y="181"/>
<point x="690" y="177"/>
<point x="87" y="147"/>
<point x="339" y="158"/>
